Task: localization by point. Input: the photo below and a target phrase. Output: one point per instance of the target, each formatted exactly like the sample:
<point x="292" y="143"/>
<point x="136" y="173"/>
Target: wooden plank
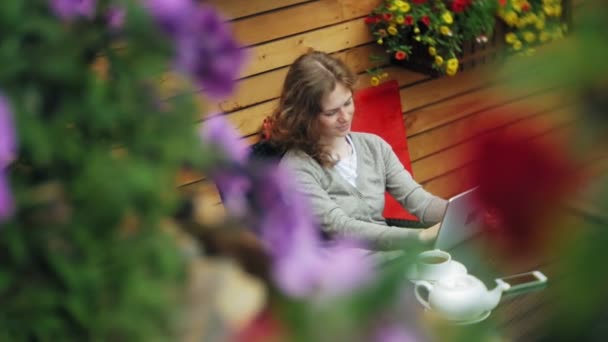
<point x="267" y="86"/>
<point x="233" y="9"/>
<point x="297" y="19"/>
<point x="457" y="180"/>
<point x="283" y="52"/>
<point x="464" y="104"/>
<point x="420" y="95"/>
<point x="459" y="155"/>
<point x="445" y="136"/>
<point x="451" y="183"/>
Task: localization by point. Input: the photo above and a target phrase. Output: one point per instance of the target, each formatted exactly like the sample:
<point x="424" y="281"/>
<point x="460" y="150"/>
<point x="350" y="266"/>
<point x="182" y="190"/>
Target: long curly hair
<point x="295" y="122"/>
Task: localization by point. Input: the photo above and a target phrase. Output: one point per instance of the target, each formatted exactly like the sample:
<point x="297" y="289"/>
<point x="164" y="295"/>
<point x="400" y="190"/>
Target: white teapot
<point x="460" y="297"/>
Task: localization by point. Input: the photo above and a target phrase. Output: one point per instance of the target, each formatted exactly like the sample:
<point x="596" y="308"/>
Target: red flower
<point x="419" y="2"/>
<point x="426" y="20"/>
<point x="372" y="20"/>
<point x="502" y="2"/>
<point x="387" y="16"/>
<point x="521" y="183"/>
<point x="459" y="6"/>
<point x="400" y="55"/>
<point x="525" y="7"/>
<point x="409" y="20"/>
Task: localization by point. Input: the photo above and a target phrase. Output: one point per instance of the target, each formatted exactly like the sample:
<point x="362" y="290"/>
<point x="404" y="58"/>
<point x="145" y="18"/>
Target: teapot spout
<point x="493" y="297"/>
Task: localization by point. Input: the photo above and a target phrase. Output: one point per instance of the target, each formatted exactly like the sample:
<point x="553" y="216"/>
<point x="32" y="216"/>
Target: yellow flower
<point x="392" y="30"/>
<point x="544" y="36"/>
<point x="517" y="45"/>
<point x="529" y="36"/>
<point x="392" y="8"/>
<point x="417" y="38"/>
<point x="384" y="75"/>
<point x="510" y="37"/>
<point x="540" y="24"/>
<point x="445" y="30"/>
<point x="399" y="19"/>
<point x="374" y="81"/>
<point x="432" y="51"/>
<point x="380" y="41"/>
<point x="511" y="18"/>
<point x="405" y="7"/>
<point x="452" y="63"/>
<point x="548" y="10"/>
<point x="416" y="30"/>
<point x="438" y="60"/>
<point x="450" y="71"/>
<point x="447" y="17"/>
<point x="399" y="3"/>
<point x="558" y="10"/>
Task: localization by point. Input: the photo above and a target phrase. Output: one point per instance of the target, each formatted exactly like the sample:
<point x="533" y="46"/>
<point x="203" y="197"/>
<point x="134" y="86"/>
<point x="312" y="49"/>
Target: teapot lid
<point x="460" y="282"/>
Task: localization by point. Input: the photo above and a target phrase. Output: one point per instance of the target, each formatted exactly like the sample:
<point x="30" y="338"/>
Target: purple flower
<point x="8" y="141"/>
<point x="219" y="132"/>
<point x="205" y="48"/>
<point x="116" y="18"/>
<point x="209" y="53"/>
<point x="71" y="9"/>
<point x="171" y="15"/>
<point x="8" y="149"/>
<point x="301" y="267"/>
<point x="321" y="273"/>
<point x="394" y="332"/>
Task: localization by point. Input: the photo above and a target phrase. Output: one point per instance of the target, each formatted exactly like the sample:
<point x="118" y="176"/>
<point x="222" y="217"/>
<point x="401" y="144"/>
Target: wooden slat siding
<point x="297" y="19"/>
<point x="283" y="52"/>
<point x="463" y="104"/>
<point x="249" y="91"/>
<point x="233" y="9"/>
<point x="445" y="136"/>
<point x="458" y="155"/>
<point x="458" y="180"/>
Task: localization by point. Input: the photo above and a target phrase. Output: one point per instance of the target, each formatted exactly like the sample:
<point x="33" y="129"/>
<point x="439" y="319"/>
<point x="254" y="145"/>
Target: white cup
<point x="434" y="264"/>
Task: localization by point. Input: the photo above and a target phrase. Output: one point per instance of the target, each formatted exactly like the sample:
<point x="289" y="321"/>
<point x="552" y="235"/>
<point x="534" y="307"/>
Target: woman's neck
<point x="338" y="148"/>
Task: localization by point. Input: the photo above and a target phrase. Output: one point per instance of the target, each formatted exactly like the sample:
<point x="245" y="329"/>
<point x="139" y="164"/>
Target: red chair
<point x="378" y="111"/>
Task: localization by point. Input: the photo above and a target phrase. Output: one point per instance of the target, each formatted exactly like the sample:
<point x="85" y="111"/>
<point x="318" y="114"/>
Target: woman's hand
<point x="427" y="236"/>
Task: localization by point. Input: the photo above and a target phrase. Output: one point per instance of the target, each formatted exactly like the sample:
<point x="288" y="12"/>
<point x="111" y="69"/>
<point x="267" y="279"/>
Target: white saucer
<point x="456" y="268"/>
<point x="477" y="319"/>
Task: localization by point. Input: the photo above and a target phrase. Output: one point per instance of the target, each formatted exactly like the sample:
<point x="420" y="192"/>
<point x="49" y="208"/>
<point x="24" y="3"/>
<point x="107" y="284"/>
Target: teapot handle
<point x="428" y="286"/>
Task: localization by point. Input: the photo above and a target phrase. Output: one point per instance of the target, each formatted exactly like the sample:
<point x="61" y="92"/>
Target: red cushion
<point x="378" y="111"/>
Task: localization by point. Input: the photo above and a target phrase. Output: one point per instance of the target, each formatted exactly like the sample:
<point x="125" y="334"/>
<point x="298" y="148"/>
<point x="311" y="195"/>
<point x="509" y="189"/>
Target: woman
<point x="344" y="174"/>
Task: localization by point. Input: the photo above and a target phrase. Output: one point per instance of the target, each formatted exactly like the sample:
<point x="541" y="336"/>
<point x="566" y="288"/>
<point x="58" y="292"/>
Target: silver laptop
<point x="461" y="222"/>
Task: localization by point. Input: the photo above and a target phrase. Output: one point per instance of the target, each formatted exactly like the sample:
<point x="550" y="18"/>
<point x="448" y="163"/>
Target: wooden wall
<point x="438" y="112"/>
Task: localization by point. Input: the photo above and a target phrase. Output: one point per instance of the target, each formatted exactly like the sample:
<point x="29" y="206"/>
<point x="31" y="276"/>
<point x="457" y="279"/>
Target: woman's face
<point x="337" y="113"/>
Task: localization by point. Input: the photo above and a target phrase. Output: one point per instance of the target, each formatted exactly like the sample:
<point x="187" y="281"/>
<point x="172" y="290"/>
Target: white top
<point x="347" y="167"/>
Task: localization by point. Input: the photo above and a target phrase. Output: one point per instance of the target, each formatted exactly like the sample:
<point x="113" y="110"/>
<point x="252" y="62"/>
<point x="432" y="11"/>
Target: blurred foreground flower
<point x="8" y="149"/>
<point x="522" y="181"/>
<point x="72" y="9"/>
<point x="206" y="50"/>
<point x="283" y="220"/>
<point x="115" y="18"/>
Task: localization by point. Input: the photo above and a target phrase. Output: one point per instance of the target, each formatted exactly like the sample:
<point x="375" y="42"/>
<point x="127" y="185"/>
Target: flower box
<point x="428" y="35"/>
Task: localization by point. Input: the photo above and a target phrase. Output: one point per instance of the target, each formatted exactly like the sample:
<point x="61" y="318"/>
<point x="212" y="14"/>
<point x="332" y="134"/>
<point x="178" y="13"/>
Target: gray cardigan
<point x="357" y="212"/>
